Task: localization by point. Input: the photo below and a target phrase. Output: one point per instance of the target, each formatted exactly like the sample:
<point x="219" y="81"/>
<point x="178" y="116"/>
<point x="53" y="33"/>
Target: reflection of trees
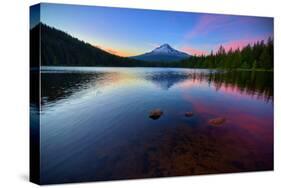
<point x="253" y="83"/>
<point x="56" y="86"/>
<point x="166" y="79"/>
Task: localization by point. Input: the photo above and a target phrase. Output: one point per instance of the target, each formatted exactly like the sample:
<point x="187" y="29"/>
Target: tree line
<point x="256" y="56"/>
<point x="61" y="49"/>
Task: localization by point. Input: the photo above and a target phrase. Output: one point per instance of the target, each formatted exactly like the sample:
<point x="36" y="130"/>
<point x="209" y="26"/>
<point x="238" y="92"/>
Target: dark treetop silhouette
<point x="61" y="49"/>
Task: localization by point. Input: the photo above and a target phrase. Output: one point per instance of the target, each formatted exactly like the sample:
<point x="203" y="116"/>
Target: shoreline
<point x="238" y="69"/>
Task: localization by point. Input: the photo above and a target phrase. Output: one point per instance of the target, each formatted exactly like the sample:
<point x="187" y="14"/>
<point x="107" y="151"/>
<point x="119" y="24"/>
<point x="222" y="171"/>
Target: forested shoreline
<point x="257" y="56"/>
<point x="61" y="49"/>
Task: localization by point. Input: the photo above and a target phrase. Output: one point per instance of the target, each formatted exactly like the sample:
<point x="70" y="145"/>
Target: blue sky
<point x="128" y="32"/>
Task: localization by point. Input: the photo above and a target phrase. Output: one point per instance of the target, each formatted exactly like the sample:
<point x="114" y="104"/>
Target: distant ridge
<point x="60" y="49"/>
<point x="163" y="53"/>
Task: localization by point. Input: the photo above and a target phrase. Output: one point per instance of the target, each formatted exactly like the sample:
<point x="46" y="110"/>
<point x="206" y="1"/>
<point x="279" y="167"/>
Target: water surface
<point x="95" y="122"/>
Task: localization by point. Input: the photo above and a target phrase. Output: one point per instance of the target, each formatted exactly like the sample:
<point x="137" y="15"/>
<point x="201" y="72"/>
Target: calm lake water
<point x="95" y="123"/>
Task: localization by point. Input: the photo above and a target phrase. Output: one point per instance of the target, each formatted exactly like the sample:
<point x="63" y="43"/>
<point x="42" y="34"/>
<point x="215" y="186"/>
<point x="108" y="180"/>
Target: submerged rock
<point x="155" y="114"/>
<point x="216" y="121"/>
<point x="188" y="114"/>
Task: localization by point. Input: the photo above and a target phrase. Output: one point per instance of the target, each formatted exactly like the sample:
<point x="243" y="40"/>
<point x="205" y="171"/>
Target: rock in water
<point x="155" y="114"/>
<point x="216" y="121"/>
<point x="189" y="114"/>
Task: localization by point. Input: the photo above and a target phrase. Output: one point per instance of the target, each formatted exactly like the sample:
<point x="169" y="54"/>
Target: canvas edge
<point x="34" y="95"/>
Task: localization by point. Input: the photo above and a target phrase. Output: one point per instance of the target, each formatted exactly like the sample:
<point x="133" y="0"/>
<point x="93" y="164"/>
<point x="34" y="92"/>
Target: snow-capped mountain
<point x="162" y="53"/>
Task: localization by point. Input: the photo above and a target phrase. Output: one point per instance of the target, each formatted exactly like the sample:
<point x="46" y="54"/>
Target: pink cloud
<point x="234" y="44"/>
<point x="194" y="51"/>
<point x="208" y="23"/>
<point x="237" y="44"/>
<point x="240" y="43"/>
<point x="213" y="22"/>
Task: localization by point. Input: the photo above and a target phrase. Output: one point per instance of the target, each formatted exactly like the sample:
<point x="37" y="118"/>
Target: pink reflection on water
<point x="245" y="113"/>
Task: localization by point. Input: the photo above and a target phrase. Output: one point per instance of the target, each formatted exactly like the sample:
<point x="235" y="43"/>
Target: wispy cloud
<point x="232" y="44"/>
<point x="222" y="25"/>
<point x="207" y="23"/>
<point x="238" y="44"/>
<point x="235" y="44"/>
<point x="194" y="51"/>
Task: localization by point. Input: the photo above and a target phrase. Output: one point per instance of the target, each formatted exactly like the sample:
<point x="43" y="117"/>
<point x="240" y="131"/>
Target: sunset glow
<point x="114" y="31"/>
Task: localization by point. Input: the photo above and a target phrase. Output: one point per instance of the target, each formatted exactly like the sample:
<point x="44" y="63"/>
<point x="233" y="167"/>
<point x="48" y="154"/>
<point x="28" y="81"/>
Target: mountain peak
<point x="166" y="45"/>
<point x="163" y="53"/>
<point x="164" y="48"/>
<point x="167" y="50"/>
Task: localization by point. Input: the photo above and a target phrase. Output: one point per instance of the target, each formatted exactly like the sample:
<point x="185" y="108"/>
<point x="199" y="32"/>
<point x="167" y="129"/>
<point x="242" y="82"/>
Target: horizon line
<point x="113" y="51"/>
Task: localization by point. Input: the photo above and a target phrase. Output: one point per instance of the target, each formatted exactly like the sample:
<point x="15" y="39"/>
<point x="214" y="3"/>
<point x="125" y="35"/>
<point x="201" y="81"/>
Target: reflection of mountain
<point x="61" y="85"/>
<point x="166" y="79"/>
<point x="252" y="83"/>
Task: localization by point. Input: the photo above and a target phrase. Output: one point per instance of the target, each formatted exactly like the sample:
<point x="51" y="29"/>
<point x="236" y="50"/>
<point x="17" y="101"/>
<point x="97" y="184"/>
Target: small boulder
<point x="188" y="114"/>
<point x="216" y="121"/>
<point x="155" y="114"/>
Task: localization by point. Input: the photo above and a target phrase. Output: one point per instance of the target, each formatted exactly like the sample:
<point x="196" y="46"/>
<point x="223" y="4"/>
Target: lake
<point x="95" y="122"/>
